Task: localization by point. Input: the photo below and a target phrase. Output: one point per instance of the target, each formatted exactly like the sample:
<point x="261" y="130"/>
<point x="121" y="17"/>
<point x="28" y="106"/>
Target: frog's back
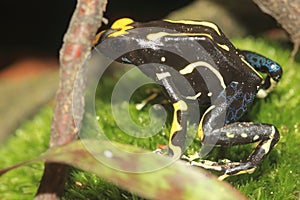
<point x="194" y="51"/>
<point x="200" y="45"/>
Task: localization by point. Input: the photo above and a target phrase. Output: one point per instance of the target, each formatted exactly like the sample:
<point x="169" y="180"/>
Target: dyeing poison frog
<point x="221" y="78"/>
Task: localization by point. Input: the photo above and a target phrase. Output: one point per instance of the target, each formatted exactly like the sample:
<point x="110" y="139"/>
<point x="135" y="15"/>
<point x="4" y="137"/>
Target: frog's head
<point x="126" y="43"/>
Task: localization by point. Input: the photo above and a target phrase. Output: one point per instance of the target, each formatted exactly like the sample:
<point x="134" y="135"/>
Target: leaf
<point x="146" y="174"/>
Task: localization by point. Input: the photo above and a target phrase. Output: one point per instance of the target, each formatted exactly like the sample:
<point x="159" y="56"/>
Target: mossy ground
<point x="277" y="178"/>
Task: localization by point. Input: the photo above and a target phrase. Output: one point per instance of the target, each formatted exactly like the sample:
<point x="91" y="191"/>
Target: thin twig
<point x="84" y="24"/>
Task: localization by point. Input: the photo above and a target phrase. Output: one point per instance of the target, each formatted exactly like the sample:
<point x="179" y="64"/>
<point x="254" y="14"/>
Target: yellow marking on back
<point x="121" y="26"/>
<point x="202" y="23"/>
<point x="182" y="106"/>
<point x="244" y="135"/>
<point x="190" y="67"/>
<point x="200" y="129"/>
<point x="251" y="67"/>
<point x="159" y="35"/>
<point x="121" y="23"/>
<point x="194" y="97"/>
<point x="223" y="46"/>
<point x="230" y="135"/>
<point x="256" y="137"/>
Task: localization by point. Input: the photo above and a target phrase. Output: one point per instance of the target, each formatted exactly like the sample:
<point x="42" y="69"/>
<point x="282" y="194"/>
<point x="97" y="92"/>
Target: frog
<point x="226" y="87"/>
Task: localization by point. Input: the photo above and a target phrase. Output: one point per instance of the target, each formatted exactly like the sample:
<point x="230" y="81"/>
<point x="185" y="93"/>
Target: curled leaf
<point x="116" y="163"/>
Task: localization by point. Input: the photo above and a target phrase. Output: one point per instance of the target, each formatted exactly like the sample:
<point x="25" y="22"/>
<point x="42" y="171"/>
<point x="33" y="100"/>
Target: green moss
<point x="29" y="141"/>
<point x="277" y="178"/>
<point x="83" y="185"/>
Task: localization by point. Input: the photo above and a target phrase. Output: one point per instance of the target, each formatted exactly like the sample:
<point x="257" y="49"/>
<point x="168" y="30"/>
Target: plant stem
<point x="66" y="123"/>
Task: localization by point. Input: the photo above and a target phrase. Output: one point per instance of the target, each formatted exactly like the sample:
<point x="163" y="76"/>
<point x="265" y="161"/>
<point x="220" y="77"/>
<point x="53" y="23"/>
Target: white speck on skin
<point x="256" y="137"/>
<point x="163" y="59"/>
<point x="244" y="135"/>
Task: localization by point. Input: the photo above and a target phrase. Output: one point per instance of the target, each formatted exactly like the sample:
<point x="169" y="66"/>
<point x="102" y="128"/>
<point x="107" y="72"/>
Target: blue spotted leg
<point x="264" y="65"/>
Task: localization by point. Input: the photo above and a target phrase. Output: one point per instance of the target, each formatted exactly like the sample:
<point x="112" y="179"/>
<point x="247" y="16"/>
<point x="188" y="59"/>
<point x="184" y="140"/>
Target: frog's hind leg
<point x="243" y="133"/>
<point x="214" y="131"/>
<point x="237" y="134"/>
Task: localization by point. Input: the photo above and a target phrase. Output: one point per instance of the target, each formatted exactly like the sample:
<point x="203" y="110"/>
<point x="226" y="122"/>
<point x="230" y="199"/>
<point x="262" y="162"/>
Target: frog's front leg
<point x="213" y="132"/>
<point x="153" y="93"/>
<point x="264" y="65"/>
<point x="177" y="136"/>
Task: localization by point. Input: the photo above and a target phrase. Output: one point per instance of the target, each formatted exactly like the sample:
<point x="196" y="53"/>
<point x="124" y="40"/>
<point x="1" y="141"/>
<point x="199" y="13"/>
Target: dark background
<point x="36" y="27"/>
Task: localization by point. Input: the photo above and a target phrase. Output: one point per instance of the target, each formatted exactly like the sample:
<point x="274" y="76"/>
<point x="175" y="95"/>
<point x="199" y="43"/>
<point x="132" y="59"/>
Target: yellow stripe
<point x="223" y="46"/>
<point x="179" y="105"/>
<point x="189" y="69"/>
<point x="200" y="128"/>
<point x="202" y="23"/>
<point x="249" y="171"/>
<point x="194" y="97"/>
<point x="251" y="67"/>
<point x="96" y="39"/>
<point x="159" y="35"/>
<point x="266" y="146"/>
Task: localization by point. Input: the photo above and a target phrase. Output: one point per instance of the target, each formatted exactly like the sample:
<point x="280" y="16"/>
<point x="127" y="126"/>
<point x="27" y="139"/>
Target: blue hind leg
<point x="264" y="65"/>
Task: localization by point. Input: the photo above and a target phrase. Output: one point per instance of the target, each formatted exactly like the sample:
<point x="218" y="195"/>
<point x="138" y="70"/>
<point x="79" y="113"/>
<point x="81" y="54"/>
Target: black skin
<point x="227" y="84"/>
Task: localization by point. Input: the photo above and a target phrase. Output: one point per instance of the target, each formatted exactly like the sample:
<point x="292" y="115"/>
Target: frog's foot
<point x="227" y="168"/>
<point x="236" y="168"/>
<point x="190" y="158"/>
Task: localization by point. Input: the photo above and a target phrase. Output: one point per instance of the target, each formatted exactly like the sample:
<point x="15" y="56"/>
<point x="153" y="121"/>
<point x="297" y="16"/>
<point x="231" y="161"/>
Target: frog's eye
<point x="117" y="45"/>
<point x="112" y="47"/>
